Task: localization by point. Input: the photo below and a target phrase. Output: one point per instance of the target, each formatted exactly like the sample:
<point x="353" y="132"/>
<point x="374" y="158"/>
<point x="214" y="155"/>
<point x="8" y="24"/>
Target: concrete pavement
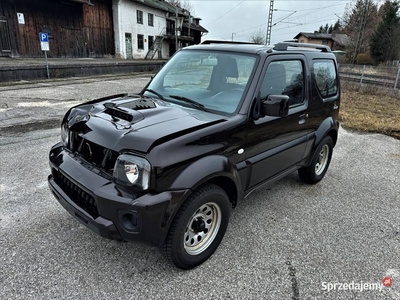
<point x="27" y="106"/>
<point x="29" y="100"/>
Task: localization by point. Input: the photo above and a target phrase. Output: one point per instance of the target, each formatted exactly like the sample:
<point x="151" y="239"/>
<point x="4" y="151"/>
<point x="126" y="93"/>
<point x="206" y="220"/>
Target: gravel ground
<point x="283" y="242"/>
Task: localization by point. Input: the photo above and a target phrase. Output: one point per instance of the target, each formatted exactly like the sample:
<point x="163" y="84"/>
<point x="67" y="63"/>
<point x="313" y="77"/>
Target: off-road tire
<point x="186" y="245"/>
<point x="319" y="164"/>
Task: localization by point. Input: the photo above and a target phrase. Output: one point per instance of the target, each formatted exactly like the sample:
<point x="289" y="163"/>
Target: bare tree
<point x="353" y="16"/>
<point x="258" y="37"/>
<point x="186" y="5"/>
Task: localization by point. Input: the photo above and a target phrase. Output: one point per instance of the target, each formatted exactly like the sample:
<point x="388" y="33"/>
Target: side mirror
<point x="275" y="106"/>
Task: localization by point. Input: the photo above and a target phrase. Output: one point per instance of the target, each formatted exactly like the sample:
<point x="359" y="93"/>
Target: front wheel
<point x="198" y="227"/>
<point x="320" y="163"/>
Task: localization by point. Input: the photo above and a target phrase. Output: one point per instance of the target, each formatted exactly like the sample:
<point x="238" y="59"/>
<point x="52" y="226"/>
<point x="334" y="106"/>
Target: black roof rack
<point x="284" y="46"/>
<point x="224" y="42"/>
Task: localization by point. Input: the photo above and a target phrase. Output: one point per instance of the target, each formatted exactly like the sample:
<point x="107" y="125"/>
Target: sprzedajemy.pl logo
<point x="357" y="286"/>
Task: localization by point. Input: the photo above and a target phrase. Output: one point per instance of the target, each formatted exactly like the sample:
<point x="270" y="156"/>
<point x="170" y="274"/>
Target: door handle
<point x="302" y="118"/>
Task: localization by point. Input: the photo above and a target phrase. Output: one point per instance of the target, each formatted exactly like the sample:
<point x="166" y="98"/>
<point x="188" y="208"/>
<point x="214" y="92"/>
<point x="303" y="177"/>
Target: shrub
<point x="364" y="59"/>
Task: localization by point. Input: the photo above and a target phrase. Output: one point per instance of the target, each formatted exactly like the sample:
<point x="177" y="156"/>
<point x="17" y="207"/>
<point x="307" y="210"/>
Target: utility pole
<point x="232" y="35"/>
<point x="176" y="28"/>
<point x="361" y="28"/>
<point x="269" y="26"/>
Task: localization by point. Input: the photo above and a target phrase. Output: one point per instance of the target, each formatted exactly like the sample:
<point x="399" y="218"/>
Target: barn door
<point x="5" y="42"/>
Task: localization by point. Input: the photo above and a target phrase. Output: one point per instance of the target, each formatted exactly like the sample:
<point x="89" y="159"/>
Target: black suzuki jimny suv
<point x="218" y="121"/>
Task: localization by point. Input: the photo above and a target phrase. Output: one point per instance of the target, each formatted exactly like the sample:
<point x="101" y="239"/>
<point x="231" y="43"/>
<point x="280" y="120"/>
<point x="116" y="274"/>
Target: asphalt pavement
<point x="286" y="241"/>
<point x="283" y="242"/>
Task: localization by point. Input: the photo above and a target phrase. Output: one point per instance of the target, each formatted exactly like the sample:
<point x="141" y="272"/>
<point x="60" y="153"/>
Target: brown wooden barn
<point x="76" y="28"/>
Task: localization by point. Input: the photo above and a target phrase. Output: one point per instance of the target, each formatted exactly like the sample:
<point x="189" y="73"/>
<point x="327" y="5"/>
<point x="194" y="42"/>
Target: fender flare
<point x="324" y="129"/>
<point x="205" y="169"/>
<point x="328" y="127"/>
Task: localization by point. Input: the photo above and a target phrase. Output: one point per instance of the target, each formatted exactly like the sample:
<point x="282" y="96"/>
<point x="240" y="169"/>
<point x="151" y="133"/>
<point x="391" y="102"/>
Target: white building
<point x="152" y="29"/>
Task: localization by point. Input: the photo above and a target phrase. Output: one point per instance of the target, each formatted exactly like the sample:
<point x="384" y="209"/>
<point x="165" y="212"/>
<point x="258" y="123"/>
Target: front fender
<point x="206" y="169"/>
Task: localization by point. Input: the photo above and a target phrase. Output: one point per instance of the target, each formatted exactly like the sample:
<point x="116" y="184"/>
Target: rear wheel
<point x="320" y="163"/>
<point x="198" y="227"/>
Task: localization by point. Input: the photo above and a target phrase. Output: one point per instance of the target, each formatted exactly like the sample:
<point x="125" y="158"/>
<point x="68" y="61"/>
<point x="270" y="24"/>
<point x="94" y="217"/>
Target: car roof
<point x="243" y="48"/>
<point x="251" y="48"/>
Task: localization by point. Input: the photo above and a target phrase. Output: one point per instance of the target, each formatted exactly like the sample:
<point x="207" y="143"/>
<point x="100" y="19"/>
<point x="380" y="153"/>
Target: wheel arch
<point x="333" y="133"/>
<point x="215" y="169"/>
<point x="328" y="127"/>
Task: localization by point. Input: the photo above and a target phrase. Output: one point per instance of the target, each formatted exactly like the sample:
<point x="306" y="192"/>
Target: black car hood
<point x="127" y="122"/>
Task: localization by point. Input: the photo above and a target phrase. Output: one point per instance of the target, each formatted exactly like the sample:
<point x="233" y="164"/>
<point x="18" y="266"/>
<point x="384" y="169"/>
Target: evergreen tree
<point x="385" y="42"/>
<point x="336" y="26"/>
<point x="329" y="28"/>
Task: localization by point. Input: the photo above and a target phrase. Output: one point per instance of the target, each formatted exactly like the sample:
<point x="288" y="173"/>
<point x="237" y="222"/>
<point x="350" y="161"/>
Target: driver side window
<point x="284" y="78"/>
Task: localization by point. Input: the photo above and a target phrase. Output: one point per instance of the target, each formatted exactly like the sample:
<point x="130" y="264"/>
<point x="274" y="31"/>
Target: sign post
<point x="44" y="44"/>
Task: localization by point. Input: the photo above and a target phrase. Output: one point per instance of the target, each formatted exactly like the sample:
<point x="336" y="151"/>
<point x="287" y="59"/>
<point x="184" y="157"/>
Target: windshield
<point x="214" y="80"/>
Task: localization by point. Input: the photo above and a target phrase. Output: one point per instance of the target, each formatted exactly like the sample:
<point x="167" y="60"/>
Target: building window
<point x="170" y="27"/>
<point x="151" y="41"/>
<point x="324" y="42"/>
<point x="151" y="20"/>
<point x="139" y="16"/>
<point x="140" y="41"/>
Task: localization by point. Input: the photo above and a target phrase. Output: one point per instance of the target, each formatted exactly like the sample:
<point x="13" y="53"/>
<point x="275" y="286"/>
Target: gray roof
<point x="168" y="7"/>
<point x="315" y="35"/>
<point x="162" y="5"/>
<point x="195" y="27"/>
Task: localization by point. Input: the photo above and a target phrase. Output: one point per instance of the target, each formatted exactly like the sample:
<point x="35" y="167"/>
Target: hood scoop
<point x="126" y="114"/>
<point x="120" y="114"/>
<point x="128" y="111"/>
<point x="139" y="104"/>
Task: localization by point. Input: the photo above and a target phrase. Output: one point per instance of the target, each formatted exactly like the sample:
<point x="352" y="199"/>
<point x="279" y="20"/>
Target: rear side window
<point x="325" y="77"/>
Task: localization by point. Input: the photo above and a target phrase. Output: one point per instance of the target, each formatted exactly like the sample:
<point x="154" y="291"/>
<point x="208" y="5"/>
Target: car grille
<point x="93" y="153"/>
<point x="76" y="194"/>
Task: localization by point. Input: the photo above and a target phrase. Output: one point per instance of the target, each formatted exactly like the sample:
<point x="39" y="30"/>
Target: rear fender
<point x="328" y="127"/>
<point x="324" y="129"/>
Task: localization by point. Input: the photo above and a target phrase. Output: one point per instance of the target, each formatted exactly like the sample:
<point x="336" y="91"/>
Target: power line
<point x="224" y="14"/>
<point x="298" y="20"/>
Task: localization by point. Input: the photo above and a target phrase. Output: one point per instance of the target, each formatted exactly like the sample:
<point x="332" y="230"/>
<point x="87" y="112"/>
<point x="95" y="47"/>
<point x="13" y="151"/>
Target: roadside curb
<point x="30" y="126"/>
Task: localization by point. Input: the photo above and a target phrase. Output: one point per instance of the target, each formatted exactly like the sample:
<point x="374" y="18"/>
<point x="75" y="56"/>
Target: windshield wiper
<point x="155" y="93"/>
<point x="190" y="101"/>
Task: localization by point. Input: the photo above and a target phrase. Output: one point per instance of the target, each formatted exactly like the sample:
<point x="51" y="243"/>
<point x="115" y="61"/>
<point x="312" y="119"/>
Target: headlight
<point x="132" y="171"/>
<point x="64" y="134"/>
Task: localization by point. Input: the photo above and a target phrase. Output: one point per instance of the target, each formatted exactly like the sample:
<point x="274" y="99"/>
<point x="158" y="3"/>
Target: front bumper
<point x="102" y="207"/>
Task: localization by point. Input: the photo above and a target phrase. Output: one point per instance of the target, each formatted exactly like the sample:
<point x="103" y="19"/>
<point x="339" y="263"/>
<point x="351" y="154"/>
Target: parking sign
<point x="44" y="37"/>
<point x="44" y="41"/>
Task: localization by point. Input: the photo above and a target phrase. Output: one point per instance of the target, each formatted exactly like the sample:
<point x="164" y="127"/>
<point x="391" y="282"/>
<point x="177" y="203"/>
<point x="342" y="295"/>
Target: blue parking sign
<point x="44" y="37"/>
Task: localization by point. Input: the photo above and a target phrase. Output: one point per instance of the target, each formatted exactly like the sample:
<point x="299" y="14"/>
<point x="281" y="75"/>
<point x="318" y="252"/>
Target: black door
<point x="277" y="144"/>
